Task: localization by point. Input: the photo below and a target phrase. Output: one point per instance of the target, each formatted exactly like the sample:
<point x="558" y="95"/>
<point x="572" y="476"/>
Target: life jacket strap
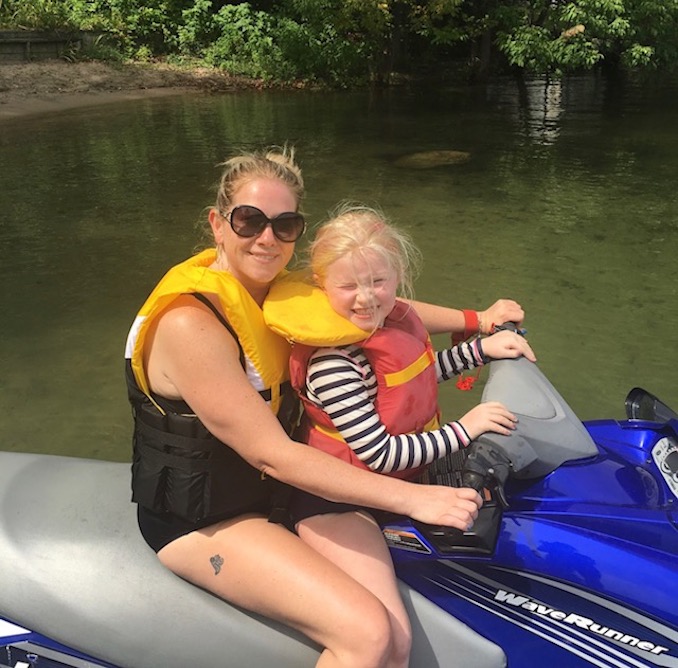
<point x="411" y="371"/>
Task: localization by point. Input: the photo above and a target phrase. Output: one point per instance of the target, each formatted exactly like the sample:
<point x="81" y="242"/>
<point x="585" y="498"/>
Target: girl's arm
<point x="453" y="361"/>
<point x="502" y="345"/>
<point x="345" y="387"/>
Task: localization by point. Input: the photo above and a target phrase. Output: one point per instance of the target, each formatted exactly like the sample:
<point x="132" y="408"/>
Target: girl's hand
<point x="506" y="344"/>
<point x="503" y="310"/>
<point x="490" y="416"/>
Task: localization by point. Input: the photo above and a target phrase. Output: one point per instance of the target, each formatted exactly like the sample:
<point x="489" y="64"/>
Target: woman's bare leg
<point x="355" y="543"/>
<point x="265" y="568"/>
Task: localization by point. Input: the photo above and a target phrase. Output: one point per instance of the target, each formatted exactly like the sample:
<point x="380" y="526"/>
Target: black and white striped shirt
<point x="341" y="382"/>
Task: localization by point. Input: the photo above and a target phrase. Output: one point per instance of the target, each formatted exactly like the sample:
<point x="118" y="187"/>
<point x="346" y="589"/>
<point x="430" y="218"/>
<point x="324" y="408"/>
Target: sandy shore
<point x="40" y="87"/>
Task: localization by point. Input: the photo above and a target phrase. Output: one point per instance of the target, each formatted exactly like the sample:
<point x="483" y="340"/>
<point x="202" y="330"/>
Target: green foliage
<point x="35" y="15"/>
<point x="444" y="22"/>
<point x="567" y="36"/>
<point x="140" y="26"/>
<point x="355" y="41"/>
<point x="246" y="43"/>
<point x="346" y="41"/>
<point x="151" y="23"/>
<point x="322" y="55"/>
<point x="639" y="56"/>
<point x="197" y="28"/>
<point x="256" y="44"/>
<point x="533" y="48"/>
<point x="94" y="15"/>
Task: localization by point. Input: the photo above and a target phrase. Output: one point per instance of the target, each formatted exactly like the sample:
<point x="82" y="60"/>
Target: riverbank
<point x="55" y="85"/>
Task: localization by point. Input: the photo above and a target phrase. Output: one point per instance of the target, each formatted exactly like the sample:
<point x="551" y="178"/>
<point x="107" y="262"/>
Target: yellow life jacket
<point x="178" y="466"/>
<point x="266" y="353"/>
<point x="399" y="353"/>
<point x="300" y="312"/>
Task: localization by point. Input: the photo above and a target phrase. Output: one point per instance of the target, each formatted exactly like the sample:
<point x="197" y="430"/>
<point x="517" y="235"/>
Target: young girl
<point x="373" y="402"/>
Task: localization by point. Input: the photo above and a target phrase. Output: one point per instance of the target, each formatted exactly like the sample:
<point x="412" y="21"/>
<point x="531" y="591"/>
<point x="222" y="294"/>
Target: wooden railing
<point x="21" y="45"/>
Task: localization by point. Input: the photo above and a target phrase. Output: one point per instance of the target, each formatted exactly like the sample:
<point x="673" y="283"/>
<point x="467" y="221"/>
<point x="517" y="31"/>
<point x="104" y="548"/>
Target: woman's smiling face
<point x="362" y="288"/>
<point x="255" y="261"/>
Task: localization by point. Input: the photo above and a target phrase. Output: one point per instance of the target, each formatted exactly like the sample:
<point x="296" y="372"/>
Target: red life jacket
<point x="403" y="362"/>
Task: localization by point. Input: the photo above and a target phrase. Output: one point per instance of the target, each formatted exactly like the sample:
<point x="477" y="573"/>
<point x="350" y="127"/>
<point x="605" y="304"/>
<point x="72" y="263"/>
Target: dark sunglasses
<point x="248" y="221"/>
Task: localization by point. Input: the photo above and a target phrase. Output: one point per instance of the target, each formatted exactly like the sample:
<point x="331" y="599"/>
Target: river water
<point x="568" y="203"/>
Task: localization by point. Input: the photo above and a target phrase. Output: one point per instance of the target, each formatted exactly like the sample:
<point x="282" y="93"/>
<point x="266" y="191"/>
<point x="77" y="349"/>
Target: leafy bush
<point x="139" y="26"/>
<point x="36" y="15"/>
<point x="257" y="44"/>
<point x="245" y="43"/>
<point x="346" y="41"/>
<point x="198" y="28"/>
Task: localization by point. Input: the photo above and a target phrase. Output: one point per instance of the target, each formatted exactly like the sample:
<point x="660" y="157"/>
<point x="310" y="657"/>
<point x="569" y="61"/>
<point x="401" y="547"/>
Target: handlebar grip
<point x="487" y="466"/>
<point x="474" y="480"/>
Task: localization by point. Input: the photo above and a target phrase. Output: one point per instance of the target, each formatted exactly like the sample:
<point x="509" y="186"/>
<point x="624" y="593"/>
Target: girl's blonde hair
<point x="362" y="231"/>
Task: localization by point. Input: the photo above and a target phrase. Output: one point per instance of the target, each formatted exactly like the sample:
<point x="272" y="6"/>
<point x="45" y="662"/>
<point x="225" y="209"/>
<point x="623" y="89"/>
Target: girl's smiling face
<point x="361" y="287"/>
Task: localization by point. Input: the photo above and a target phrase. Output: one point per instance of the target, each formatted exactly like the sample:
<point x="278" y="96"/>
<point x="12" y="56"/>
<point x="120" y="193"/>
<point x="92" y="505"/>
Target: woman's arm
<point x="442" y="319"/>
<point x="195" y="358"/>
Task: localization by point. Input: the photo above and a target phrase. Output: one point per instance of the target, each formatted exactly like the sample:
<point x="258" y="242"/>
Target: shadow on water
<point x="567" y="203"/>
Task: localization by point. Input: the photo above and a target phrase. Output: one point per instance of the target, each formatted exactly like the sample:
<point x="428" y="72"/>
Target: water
<point x="568" y="204"/>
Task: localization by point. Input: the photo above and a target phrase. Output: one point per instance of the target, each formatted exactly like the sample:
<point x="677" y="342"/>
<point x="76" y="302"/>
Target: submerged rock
<point x="429" y="159"/>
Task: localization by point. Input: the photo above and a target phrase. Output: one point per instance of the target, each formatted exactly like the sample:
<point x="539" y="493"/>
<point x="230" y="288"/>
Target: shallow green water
<point x="569" y="204"/>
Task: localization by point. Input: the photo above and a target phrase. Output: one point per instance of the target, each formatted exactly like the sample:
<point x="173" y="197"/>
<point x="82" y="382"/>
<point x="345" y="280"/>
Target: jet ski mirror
<point x="643" y="405"/>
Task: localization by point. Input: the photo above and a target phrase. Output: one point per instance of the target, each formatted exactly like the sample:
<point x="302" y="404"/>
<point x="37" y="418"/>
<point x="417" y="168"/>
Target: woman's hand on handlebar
<point x="503" y="310"/>
<point x="506" y="344"/>
<point x="445" y="506"/>
<point x="490" y="416"/>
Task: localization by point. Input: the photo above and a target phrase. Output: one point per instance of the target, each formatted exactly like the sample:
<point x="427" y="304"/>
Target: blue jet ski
<point x="573" y="561"/>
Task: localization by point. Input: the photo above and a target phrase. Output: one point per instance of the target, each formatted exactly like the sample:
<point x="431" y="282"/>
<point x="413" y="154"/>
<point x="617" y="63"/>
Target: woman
<point x="201" y="368"/>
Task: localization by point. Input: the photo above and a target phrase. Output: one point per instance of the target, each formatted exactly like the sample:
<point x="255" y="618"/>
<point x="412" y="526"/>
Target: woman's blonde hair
<point x="362" y="231"/>
<point x="275" y="163"/>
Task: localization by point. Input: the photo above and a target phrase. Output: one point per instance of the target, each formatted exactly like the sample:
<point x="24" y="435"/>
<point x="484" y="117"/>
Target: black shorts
<point x="304" y="505"/>
<point x="160" y="529"/>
